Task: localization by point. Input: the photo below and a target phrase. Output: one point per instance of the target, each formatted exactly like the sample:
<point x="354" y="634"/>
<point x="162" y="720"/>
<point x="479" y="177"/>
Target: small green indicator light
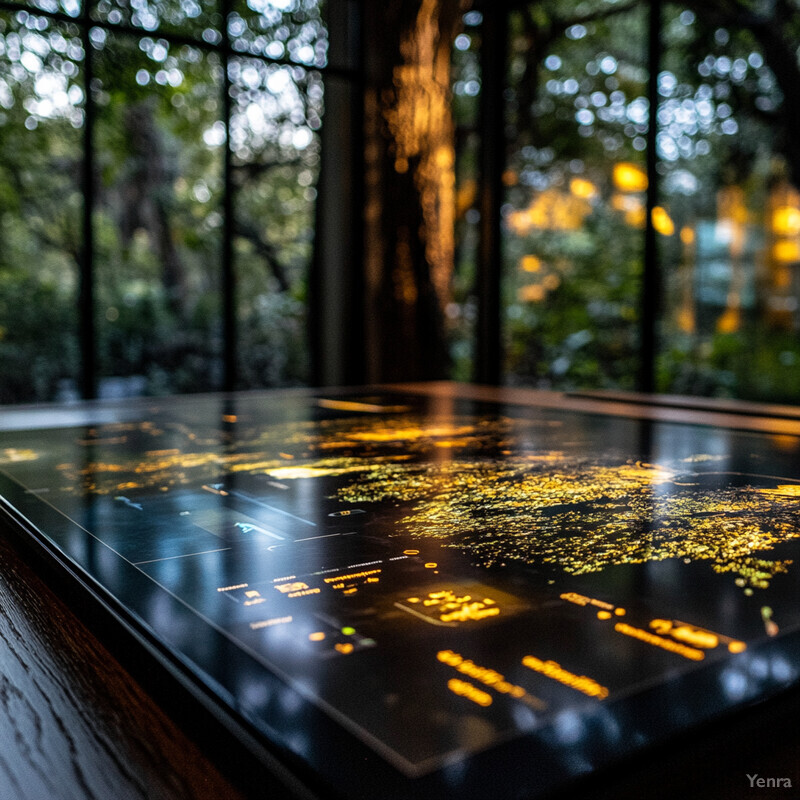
<point x="348" y="631"/>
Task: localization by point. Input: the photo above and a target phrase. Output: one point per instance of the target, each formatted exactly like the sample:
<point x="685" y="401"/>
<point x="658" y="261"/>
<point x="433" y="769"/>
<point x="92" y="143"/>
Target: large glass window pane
<point x="576" y="183"/>
<point x="729" y="166"/>
<point x="41" y="121"/>
<point x="158" y="224"/>
<point x="200" y="18"/>
<point x="461" y="312"/>
<point x="70" y="7"/>
<point x="276" y="113"/>
<point x="281" y="29"/>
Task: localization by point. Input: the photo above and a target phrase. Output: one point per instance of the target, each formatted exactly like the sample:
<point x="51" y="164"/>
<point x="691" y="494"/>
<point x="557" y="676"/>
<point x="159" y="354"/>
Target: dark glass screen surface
<point x="428" y="593"/>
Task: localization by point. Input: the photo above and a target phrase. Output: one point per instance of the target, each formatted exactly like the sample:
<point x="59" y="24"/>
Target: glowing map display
<point x="432" y="586"/>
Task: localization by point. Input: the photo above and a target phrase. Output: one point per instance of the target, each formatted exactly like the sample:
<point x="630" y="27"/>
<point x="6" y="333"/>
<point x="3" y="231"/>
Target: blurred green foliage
<point x="158" y="143"/>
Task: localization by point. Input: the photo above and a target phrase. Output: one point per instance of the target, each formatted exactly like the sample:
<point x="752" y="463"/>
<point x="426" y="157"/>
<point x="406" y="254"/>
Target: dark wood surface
<point x="74" y="723"/>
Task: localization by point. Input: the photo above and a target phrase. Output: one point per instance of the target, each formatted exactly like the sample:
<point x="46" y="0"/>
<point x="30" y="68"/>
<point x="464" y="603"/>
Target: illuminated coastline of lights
<point x="586" y="517"/>
<point x="530" y="507"/>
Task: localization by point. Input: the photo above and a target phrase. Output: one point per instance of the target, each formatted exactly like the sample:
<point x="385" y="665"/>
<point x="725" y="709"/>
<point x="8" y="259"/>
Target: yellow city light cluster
<point x="297" y="589"/>
<point x="176" y="459"/>
<point x="453" y="607"/>
<point x="691" y="653"/>
<point x="466" y="689"/>
<point x="346" y="584"/>
<point x="582" y="600"/>
<point x="293" y="473"/>
<point x="682" y="633"/>
<point x="784" y="490"/>
<point x="488" y="677"/>
<point x="532" y="507"/>
<point x="696" y="637"/>
<point x="353" y="576"/>
<point x="286" y="588"/>
<point x="267" y="450"/>
<point x="305" y="592"/>
<point x="554" y="670"/>
<point x="470" y="613"/>
<point x="584" y="517"/>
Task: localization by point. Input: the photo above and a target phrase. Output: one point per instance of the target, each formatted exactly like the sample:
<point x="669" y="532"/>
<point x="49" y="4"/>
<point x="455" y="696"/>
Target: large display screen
<point x="424" y="593"/>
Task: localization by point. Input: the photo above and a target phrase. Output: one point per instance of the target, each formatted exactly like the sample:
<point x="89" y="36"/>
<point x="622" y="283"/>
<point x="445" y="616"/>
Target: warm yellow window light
<point x="629" y="178"/>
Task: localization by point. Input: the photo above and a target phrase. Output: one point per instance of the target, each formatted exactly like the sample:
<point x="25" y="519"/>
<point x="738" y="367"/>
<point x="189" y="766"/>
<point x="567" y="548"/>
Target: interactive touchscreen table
<point x="424" y="593"/>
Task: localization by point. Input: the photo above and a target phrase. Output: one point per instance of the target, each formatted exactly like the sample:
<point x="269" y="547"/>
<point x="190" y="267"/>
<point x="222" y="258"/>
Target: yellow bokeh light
<point x="530" y="263"/>
<point x="444" y="157"/>
<point x="730" y="321"/>
<point x="687" y="235"/>
<point x="685" y="320"/>
<point x="636" y="218"/>
<point x="466" y="196"/>
<point x="786" y="221"/>
<point x="629" y="178"/>
<point x="582" y="188"/>
<point x="786" y="251"/>
<point x="551" y="210"/>
<point x="632" y="207"/>
<point x="662" y="221"/>
<point x="782" y="278"/>
<point x="533" y="293"/>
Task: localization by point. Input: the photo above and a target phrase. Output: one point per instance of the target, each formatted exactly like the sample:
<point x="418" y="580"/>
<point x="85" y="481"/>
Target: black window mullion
<point x="86" y="324"/>
<point x="488" y="346"/>
<point x="229" y="327"/>
<point x="651" y="279"/>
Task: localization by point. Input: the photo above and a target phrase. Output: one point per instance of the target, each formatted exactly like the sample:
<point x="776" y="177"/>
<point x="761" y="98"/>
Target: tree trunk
<point x="147" y="197"/>
<point x="410" y="186"/>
